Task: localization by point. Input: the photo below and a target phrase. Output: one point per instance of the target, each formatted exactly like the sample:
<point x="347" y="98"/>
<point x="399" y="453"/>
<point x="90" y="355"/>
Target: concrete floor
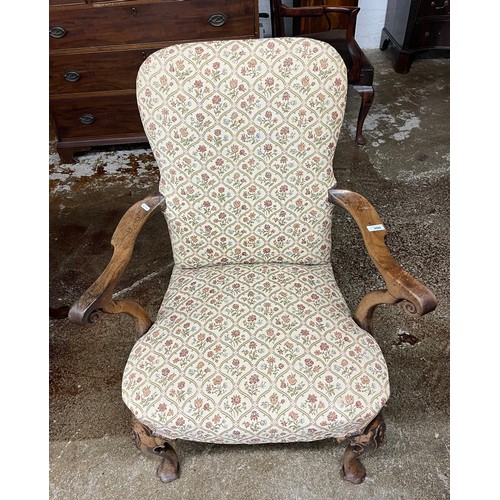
<point x="404" y="172"/>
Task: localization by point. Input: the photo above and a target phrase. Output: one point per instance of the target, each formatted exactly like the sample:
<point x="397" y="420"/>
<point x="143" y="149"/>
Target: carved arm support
<point x="99" y="296"/>
<point x="416" y="299"/>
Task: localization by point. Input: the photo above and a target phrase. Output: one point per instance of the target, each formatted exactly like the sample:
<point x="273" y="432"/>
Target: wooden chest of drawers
<point x="413" y="26"/>
<point x="97" y="46"/>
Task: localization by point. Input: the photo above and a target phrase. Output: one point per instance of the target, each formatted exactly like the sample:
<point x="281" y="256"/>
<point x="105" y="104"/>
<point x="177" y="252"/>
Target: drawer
<point x="96" y="116"/>
<point x="95" y="71"/>
<point x="434" y="8"/>
<point x="435" y="34"/>
<point x="67" y="2"/>
<point x="117" y="24"/>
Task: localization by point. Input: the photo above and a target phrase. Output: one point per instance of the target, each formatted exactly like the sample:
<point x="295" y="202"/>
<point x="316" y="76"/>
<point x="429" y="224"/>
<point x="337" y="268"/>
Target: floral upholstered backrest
<point x="244" y="133"/>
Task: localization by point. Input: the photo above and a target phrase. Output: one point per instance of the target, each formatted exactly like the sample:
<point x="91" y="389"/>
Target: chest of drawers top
<point x="129" y="22"/>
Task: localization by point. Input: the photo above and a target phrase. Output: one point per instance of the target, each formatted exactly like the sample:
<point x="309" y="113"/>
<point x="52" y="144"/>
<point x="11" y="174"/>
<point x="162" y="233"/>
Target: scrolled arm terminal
<point x="416" y="299"/>
<point x="99" y="296"/>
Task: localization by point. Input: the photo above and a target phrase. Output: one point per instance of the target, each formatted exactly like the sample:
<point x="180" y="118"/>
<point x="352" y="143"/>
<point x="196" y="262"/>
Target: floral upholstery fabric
<point x="244" y="134"/>
<point x="255" y="353"/>
<point x="253" y="342"/>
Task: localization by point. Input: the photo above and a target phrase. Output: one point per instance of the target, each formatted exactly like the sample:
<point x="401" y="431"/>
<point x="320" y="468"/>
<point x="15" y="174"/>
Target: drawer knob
<point x="442" y="6"/>
<point x="87" y="119"/>
<point x="217" y="19"/>
<point x="72" y="76"/>
<point x="57" y="32"/>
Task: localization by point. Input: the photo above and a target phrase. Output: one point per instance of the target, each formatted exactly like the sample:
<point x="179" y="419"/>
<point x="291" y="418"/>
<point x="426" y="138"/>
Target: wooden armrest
<point x="316" y="10"/>
<point x="99" y="296"/>
<point x="310" y="11"/>
<point x="353" y="48"/>
<point x="350" y="12"/>
<point x="416" y="299"/>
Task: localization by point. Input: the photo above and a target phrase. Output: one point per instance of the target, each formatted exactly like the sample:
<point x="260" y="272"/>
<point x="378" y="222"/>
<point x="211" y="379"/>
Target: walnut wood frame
<point x="416" y="299"/>
<point x="401" y="287"/>
<point x="99" y="296"/>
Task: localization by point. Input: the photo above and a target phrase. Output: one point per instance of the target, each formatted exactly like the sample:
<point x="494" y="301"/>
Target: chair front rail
<point x="416" y="299"/>
<point x="99" y="296"/>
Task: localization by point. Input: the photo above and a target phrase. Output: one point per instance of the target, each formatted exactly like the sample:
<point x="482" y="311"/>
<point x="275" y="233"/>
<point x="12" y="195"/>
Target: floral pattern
<point x="255" y="353"/>
<point x="262" y="348"/>
<point x="244" y="134"/>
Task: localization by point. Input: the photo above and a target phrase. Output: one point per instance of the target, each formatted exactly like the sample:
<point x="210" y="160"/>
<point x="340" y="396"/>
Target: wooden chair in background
<point x="337" y="27"/>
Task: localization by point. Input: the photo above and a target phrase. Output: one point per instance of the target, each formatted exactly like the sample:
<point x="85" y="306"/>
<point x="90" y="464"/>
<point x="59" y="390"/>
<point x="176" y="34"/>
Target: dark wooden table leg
<point x="367" y="95"/>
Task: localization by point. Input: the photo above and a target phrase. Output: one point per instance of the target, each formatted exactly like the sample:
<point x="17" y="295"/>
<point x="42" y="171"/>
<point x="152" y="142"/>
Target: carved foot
<point x="67" y="153"/>
<point x="371" y="439"/>
<point x="145" y="441"/>
<point x="360" y="139"/>
<point x="168" y="470"/>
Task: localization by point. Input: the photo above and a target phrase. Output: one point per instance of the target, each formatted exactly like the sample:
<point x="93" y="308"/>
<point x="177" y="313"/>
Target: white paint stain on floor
<point x="411" y="121"/>
<point x="387" y="127"/>
<point x="135" y="162"/>
<point x="384" y="124"/>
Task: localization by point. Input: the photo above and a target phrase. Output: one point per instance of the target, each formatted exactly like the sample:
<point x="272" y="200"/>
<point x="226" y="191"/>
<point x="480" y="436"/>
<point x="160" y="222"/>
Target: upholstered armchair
<point x="254" y="342"/>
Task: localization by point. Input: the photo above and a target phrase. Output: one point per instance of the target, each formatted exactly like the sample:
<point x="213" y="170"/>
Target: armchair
<point x="253" y="342"/>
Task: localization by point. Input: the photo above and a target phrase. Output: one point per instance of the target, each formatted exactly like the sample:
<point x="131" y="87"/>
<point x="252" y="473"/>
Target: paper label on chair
<point x="375" y="227"/>
<point x="145" y="207"/>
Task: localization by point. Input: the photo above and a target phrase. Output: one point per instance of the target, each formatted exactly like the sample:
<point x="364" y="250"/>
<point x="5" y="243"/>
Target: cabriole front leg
<point x="371" y="439"/>
<point x="148" y="443"/>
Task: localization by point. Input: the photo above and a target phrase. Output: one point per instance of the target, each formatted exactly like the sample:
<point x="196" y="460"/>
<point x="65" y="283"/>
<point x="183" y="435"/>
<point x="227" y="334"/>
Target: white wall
<point x="265" y="24"/>
<point x="371" y="20"/>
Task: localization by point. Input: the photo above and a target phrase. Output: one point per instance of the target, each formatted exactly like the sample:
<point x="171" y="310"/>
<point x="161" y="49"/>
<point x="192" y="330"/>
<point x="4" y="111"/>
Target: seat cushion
<point x="255" y="353"/>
